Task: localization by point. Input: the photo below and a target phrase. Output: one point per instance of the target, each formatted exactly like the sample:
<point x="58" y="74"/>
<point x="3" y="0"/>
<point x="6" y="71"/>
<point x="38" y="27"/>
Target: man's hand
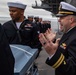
<point x="46" y="40"/>
<point x="50" y="35"/>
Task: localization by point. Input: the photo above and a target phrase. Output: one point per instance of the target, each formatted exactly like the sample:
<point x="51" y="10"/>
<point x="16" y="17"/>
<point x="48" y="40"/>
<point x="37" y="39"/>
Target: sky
<point x="30" y="2"/>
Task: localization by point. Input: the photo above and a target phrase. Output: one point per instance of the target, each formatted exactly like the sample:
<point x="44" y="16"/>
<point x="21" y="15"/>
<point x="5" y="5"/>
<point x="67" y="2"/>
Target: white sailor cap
<point x="66" y="9"/>
<point x="30" y="16"/>
<point x="17" y="4"/>
<point x="36" y="17"/>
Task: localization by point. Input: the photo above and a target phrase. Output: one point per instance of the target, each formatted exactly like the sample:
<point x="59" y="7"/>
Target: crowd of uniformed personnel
<point x="41" y="26"/>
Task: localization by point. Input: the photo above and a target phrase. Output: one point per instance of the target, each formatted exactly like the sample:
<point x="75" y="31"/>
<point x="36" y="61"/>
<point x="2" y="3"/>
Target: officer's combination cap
<point x="17" y="4"/>
<point x="66" y="9"/>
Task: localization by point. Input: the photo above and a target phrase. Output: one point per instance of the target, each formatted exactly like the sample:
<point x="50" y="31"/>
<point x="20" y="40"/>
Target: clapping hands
<point x="47" y="39"/>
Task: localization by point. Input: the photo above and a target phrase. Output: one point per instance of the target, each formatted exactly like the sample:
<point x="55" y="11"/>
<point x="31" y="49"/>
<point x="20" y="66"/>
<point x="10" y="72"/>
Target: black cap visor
<point x="61" y="15"/>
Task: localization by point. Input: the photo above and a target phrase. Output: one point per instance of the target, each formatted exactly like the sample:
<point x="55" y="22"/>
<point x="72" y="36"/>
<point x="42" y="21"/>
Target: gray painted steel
<point x="24" y="59"/>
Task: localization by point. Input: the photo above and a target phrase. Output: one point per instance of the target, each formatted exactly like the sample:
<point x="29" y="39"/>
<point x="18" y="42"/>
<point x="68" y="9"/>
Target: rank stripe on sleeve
<point x="58" y="63"/>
